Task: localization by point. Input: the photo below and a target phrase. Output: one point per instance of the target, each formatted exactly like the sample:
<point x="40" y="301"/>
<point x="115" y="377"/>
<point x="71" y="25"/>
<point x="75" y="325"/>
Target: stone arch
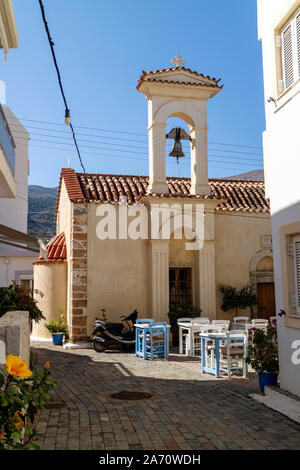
<point x="258" y="257"/>
<point x="181" y="109"/>
<point x="265" y="264"/>
<point x="258" y="275"/>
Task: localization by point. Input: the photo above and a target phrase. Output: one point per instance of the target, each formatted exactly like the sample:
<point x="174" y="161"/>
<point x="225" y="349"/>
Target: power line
<point x="124" y="132"/>
<point x="217" y="165"/>
<point x="253" y="160"/>
<point x="51" y="44"/>
<point x="118" y="139"/>
<point x="250" y="161"/>
<point x="222" y="157"/>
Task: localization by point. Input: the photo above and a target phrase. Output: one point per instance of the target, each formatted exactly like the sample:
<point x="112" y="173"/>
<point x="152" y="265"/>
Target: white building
<point x="279" y="32"/>
<point x="17" y="249"/>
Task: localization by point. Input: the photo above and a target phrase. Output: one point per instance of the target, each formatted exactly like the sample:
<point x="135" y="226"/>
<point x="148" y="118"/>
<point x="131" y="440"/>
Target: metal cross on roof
<point x="177" y="61"/>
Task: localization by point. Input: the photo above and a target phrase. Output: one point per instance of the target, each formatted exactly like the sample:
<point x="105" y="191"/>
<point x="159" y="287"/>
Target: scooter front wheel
<point x="98" y="346"/>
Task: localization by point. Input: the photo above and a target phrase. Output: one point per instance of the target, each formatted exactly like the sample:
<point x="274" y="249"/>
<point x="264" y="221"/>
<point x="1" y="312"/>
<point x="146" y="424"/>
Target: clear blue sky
<point x="101" y="48"/>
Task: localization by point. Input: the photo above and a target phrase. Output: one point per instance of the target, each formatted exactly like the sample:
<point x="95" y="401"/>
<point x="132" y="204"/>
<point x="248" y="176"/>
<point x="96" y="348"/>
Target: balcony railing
<point x="7" y="144"/>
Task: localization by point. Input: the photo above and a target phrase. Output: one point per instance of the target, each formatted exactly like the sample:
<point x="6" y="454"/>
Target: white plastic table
<point x="191" y="327"/>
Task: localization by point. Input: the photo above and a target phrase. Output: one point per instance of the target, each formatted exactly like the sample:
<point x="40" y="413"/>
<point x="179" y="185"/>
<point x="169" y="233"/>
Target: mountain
<point x="250" y="175"/>
<point x="41" y="209"/>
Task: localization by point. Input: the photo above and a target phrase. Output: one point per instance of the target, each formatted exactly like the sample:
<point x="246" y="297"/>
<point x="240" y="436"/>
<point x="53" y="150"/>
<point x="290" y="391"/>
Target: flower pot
<point x="57" y="338"/>
<point x="266" y="378"/>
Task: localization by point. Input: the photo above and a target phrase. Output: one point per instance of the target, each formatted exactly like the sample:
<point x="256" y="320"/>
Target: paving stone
<point x="188" y="410"/>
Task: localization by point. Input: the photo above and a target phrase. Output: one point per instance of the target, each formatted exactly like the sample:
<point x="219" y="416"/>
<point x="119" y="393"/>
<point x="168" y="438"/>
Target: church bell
<point x="177" y="134"/>
<point x="177" y="146"/>
<point x="176" y="150"/>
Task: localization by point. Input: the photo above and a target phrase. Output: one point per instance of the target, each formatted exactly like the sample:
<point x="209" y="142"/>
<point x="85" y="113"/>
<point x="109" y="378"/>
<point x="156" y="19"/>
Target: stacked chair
<point x="157" y="340"/>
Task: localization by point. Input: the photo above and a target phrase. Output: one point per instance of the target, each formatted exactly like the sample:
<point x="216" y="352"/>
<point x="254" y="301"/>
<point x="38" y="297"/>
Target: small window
<point x="26" y="281"/>
<point x="180" y="286"/>
<point x="290" y="41"/>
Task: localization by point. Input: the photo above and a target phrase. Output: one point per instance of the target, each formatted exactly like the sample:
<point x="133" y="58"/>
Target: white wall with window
<point x="14" y="211"/>
<point x="290" y="46"/>
<point x="279" y="32"/>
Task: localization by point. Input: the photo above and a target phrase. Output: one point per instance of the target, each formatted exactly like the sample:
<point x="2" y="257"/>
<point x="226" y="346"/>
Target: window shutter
<point x="298" y="41"/>
<point x="297" y="274"/>
<point x="287" y="56"/>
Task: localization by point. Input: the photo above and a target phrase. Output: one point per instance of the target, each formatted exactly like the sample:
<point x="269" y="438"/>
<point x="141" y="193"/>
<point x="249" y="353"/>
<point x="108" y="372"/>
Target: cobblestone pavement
<point x="188" y="410"/>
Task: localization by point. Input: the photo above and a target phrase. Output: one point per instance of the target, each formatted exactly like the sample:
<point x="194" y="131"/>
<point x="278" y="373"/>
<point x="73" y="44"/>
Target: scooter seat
<point x="114" y="325"/>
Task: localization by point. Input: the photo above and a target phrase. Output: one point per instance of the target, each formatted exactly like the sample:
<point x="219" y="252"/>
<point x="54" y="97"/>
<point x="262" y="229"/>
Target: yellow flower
<point x="47" y="365"/>
<point x="2" y="434"/>
<point x="20" y="423"/>
<point x="16" y="367"/>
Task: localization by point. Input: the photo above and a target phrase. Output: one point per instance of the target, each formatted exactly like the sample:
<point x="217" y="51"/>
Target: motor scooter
<point x="109" y="335"/>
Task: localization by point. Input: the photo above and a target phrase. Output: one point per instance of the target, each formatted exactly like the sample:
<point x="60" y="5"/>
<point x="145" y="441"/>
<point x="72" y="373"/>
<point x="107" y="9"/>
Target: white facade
<point x="15" y="263"/>
<point x="13" y="211"/>
<point x="281" y="142"/>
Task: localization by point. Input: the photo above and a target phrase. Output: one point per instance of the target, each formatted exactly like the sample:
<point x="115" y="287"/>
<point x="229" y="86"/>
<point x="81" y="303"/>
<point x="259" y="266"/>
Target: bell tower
<point x="177" y="92"/>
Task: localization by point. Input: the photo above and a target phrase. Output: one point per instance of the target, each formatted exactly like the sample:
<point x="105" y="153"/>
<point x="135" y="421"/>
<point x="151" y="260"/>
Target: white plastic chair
<point x="182" y="334"/>
<point x="241" y="320"/>
<point x="259" y="323"/>
<point x="273" y="320"/>
<point x="233" y="353"/>
<point x="221" y="322"/>
<point x="200" y="320"/>
<point x="197" y="324"/>
<point x="185" y="339"/>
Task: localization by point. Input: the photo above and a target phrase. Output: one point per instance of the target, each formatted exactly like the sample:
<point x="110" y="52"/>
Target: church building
<point x="116" y="249"/>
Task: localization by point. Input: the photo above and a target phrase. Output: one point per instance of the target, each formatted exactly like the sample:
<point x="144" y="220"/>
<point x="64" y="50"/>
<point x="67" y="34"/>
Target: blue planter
<point x="265" y="379"/>
<point x="57" y="338"/>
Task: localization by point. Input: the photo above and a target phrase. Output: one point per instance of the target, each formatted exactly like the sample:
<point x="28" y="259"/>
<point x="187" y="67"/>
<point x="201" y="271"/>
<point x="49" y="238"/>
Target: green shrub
<point x="234" y="298"/>
<point x="263" y="352"/>
<point x="20" y="298"/>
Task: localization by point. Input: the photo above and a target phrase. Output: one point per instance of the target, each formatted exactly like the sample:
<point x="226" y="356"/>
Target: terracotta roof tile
<point x="72" y="185"/>
<point x="56" y="250"/>
<point x="239" y="195"/>
<point x="153" y="76"/>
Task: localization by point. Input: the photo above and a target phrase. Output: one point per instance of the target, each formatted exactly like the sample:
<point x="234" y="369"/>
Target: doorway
<point x="265" y="300"/>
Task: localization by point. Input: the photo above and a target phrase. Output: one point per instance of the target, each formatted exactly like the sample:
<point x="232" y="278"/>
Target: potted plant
<point x="263" y="356"/>
<point x="58" y="329"/>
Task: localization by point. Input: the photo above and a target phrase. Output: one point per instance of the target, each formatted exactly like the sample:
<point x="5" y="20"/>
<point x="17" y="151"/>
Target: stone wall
<point x="15" y="333"/>
<point x="78" y="274"/>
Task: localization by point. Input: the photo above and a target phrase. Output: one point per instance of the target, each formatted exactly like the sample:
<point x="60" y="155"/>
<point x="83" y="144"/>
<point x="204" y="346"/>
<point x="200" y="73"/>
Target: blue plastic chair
<point x="157" y="341"/>
<point x="139" y="336"/>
